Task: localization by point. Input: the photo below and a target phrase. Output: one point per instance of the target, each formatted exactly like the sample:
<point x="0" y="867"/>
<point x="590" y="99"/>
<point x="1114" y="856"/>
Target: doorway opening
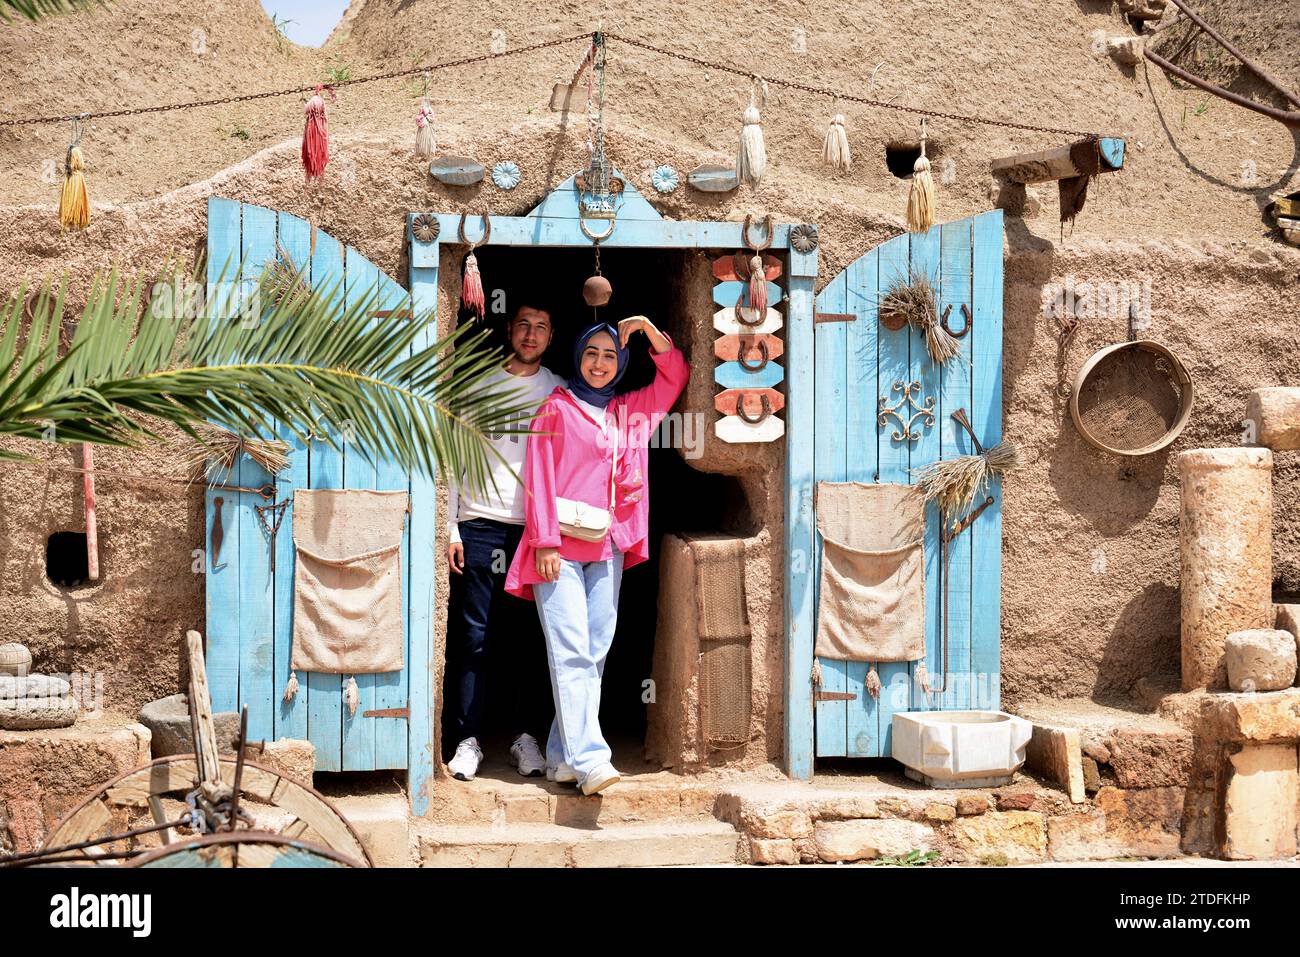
<point x="653" y="283"/>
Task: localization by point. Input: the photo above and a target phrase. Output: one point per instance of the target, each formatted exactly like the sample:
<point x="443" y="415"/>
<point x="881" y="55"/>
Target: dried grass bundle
<point x="283" y="280"/>
<point x="217" y="450"/>
<point x="913" y="300"/>
<point x="954" y="483"/>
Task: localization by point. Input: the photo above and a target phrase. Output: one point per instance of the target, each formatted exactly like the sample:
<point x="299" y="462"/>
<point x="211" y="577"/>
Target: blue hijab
<point x="578" y="385"/>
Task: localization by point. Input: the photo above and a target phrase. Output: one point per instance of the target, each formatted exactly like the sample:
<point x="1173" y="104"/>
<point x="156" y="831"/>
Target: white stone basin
<point x="960" y="748"/>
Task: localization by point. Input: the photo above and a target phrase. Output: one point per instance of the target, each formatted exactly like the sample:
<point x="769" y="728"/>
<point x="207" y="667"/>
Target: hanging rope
<point x="465" y="61"/>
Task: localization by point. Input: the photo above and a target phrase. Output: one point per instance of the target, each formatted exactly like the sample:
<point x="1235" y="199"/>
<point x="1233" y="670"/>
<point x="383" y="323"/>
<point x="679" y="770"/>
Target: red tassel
<point x="757" y="287"/>
<point x="315" y="140"/>
<point x="471" y="290"/>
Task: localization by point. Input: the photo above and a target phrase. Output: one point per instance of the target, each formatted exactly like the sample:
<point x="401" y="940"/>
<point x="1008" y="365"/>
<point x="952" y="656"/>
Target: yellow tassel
<point x="920" y="200"/>
<point x="835" y="148"/>
<point x="74" y="202"/>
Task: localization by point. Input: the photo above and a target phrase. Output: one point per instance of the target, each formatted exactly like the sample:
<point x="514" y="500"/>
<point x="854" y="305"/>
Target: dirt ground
<point x="1090" y="593"/>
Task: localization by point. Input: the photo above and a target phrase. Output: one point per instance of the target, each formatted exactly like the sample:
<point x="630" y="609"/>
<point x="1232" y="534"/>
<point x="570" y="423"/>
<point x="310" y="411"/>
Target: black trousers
<point x="491" y="631"/>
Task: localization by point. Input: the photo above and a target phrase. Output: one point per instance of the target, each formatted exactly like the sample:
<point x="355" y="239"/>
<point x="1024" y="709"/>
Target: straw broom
<point x="954" y="483"/>
<point x="217" y="450"/>
<point x="913" y="299"/>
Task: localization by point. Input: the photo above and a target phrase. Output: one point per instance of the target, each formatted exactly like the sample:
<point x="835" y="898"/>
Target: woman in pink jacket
<point x="588" y="437"/>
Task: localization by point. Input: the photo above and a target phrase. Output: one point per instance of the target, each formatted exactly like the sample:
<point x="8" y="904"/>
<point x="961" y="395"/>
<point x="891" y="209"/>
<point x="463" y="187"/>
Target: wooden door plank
<point x="830" y="464"/>
<point x="986" y="417"/>
<point x="291" y="716"/>
<point x="862" y="460"/>
<point x="895" y="365"/>
<point x="954" y="394"/>
<point x="390" y="687"/>
<point x="925" y="261"/>
<point x="256" y="596"/>
<point x="222" y="580"/>
<point x="728" y="400"/>
<point x="361" y="287"/>
<point x="422" y="596"/>
<point x="325" y="470"/>
<point x="732" y="428"/>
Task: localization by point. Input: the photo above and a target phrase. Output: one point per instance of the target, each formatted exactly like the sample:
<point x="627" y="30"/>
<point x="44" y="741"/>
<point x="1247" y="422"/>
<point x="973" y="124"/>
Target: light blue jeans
<point x="579" y="611"/>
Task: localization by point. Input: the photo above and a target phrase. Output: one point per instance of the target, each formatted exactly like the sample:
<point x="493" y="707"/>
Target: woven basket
<point x="1132" y="398"/>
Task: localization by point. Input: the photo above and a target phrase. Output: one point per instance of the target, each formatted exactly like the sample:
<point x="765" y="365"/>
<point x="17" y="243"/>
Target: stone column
<point x="1226" y="540"/>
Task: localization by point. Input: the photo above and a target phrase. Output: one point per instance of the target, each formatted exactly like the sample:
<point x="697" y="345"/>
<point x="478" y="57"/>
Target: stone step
<point x="658" y="844"/>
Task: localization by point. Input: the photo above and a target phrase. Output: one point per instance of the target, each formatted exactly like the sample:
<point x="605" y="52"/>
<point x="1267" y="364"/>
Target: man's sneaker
<point x="562" y="775"/>
<point x="464" y="765"/>
<point x="527" y="757"/>
<point x="599" y="779"/>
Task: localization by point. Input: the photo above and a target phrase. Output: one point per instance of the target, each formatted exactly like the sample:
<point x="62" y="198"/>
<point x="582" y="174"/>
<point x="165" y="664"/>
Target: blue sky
<point x="312" y="20"/>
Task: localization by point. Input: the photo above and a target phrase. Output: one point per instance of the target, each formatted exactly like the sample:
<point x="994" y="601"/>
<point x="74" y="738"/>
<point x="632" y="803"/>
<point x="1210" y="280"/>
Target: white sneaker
<point x="464" y="764"/>
<point x="527" y="757"/>
<point x="562" y="775"/>
<point x="599" y="779"/>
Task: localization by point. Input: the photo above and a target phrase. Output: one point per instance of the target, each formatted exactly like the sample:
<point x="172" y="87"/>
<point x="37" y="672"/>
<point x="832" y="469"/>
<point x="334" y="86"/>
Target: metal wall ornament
<point x="804" y="238"/>
<point x="506" y="175"/>
<point x="908" y="394"/>
<point x="425" y="227"/>
<point x="665" y="179"/>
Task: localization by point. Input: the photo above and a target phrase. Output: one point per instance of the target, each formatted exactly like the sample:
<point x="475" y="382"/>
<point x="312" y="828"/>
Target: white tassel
<point x="817" y="673"/>
<point x="351" y="696"/>
<point x="873" y="682"/>
<point x="835" y="150"/>
<point x="920" y="199"/>
<point x="425" y="141"/>
<point x="751" y="162"/>
<point x="922" y="677"/>
<point x="291" y="688"/>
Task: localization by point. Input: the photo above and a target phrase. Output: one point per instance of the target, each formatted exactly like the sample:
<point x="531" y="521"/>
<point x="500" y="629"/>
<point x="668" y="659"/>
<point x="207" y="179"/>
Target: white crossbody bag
<point x="585" y="522"/>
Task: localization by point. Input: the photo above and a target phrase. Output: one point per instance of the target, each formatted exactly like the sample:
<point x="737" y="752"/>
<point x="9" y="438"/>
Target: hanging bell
<point x="596" y="291"/>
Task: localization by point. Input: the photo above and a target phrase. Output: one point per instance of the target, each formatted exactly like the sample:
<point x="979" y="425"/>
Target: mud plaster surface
<point x="1090" y="577"/>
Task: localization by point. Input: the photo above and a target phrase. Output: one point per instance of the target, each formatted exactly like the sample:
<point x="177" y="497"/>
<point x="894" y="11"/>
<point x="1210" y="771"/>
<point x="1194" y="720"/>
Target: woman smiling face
<point x="599" y="362"/>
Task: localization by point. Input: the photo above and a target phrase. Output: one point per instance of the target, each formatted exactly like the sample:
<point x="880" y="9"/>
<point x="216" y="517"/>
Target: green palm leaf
<point x="253" y="358"/>
<point x="40" y="9"/>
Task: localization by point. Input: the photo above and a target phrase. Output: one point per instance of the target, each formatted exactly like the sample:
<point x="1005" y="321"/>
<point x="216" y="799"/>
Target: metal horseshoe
<point x="756" y="321"/>
<point x="965" y="311"/>
<point x="582" y="224"/>
<point x="754" y="420"/>
<point x="762" y="351"/>
<point x="487" y="229"/>
<point x="767" y="226"/>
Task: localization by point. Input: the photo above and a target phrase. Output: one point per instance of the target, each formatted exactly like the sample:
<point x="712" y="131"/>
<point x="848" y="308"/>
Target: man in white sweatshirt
<point x="484" y="528"/>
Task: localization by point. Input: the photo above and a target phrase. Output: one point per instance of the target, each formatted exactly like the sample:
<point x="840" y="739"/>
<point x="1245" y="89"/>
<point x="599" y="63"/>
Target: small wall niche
<point x="66" y="562"/>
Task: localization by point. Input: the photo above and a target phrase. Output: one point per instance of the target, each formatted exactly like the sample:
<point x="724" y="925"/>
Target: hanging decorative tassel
<point x="835" y="149"/>
<point x="817" y="672"/>
<point x="425" y="142"/>
<point x="920" y="200"/>
<point x="315" y="139"/>
<point x="291" y="688"/>
<point x="74" y="201"/>
<point x="922" y="676"/>
<point x="471" y="290"/>
<point x="757" y="286"/>
<point x="351" y="696"/>
<point x="752" y="158"/>
<point x="873" y="682"/>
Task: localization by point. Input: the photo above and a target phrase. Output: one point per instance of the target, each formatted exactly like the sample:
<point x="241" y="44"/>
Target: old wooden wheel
<point x="242" y="849"/>
<point x="312" y="818"/>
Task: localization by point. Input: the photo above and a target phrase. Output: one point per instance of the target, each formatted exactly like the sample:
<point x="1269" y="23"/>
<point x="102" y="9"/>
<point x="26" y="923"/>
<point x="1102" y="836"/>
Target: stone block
<point x="868" y="839"/>
<point x="1150" y="757"/>
<point x="1019" y="836"/>
<point x="1261" y="659"/>
<point x="293" y="758"/>
<point x="1276" y="414"/>
<point x="1091" y="776"/>
<point x="1259" y="803"/>
<point x="168" y="720"/>
<point x="972" y="804"/>
<point x="775" y="851"/>
<point x="934" y="811"/>
<point x="1271" y="716"/>
<point x="1137" y="823"/>
<point x="845" y="809"/>
<point x="776" y="822"/>
<point x="1015" y="800"/>
<point x="1055" y="753"/>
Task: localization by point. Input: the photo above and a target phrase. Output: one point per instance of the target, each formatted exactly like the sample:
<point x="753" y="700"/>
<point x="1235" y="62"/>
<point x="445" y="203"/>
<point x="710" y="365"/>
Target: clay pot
<point x="596" y="291"/>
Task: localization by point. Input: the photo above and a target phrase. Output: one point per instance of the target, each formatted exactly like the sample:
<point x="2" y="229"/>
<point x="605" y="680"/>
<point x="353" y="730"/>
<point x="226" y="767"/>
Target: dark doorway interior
<point x="645" y="282"/>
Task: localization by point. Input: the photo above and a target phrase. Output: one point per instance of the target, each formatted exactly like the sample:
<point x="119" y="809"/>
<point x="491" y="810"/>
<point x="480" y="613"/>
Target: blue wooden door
<point x="856" y="363"/>
<point x="249" y="606"/>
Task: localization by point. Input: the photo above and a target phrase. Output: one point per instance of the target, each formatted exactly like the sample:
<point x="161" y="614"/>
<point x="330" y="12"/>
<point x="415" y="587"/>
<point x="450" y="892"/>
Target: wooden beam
<point x="1085" y="158"/>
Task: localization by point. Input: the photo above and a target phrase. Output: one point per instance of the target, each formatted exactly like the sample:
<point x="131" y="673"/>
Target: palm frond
<point x="41" y="9"/>
<point x="251" y="360"/>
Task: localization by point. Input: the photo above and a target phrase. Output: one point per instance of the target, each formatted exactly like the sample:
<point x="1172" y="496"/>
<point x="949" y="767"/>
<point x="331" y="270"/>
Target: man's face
<point x="530" y="334"/>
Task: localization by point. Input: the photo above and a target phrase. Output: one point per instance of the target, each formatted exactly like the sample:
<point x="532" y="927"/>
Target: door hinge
<point x="833" y="317"/>
<point x="387" y="713"/>
<point x="834" y="696"/>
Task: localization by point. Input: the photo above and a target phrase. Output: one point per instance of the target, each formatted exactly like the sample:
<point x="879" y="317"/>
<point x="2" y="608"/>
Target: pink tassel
<point x="315" y="139"/>
<point x="471" y="293"/>
<point x="757" y="287"/>
<point x="873" y="683"/>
